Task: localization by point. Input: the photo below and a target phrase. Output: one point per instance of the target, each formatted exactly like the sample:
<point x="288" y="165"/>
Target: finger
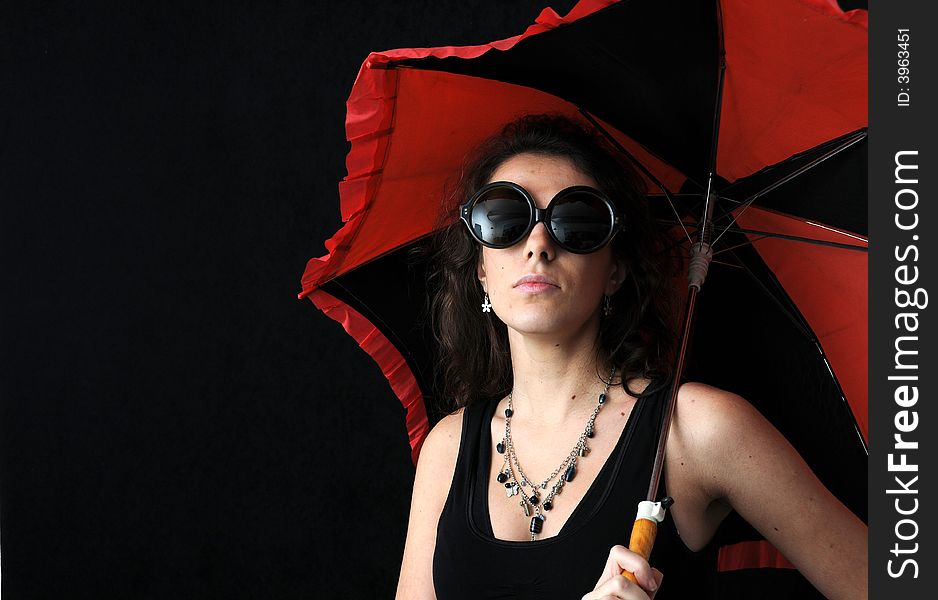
<point x="610" y="569"/>
<point x="658" y="575"/>
<point x="621" y="558"/>
<point x="617" y="587"/>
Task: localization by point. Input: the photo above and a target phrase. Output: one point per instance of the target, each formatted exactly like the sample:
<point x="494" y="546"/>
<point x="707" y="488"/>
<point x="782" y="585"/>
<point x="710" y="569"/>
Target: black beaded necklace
<point x="515" y="481"/>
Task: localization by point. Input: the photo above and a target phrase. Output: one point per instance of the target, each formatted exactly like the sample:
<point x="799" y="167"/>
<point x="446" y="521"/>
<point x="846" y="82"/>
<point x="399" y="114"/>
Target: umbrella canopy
<point x="735" y="95"/>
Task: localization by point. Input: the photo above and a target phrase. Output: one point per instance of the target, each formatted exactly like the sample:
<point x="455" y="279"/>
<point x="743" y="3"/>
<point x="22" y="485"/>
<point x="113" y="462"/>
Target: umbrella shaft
<point x="689" y="312"/>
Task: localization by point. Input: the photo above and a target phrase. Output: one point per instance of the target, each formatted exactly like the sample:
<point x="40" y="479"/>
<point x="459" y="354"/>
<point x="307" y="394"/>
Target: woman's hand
<point x="612" y="584"/>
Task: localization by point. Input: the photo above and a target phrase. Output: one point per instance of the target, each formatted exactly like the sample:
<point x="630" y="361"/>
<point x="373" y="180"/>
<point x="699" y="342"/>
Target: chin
<point x="536" y="329"/>
<point x="543" y="324"/>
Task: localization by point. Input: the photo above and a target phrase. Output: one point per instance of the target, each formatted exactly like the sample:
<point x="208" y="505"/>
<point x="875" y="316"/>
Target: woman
<point x="556" y="347"/>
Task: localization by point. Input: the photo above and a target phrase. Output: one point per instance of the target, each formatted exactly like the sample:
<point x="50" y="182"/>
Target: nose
<point x="539" y="244"/>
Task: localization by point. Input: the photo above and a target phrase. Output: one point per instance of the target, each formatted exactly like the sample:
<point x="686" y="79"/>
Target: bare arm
<point x="742" y="460"/>
<point x="435" y="469"/>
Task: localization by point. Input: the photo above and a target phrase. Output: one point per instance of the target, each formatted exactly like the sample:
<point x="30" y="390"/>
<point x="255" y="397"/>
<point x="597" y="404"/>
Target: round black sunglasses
<point x="580" y="219"/>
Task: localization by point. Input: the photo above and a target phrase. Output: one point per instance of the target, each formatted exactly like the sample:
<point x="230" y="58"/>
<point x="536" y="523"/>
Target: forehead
<point x="542" y="175"/>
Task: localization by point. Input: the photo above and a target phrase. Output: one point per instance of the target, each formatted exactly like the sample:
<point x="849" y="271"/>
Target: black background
<point x="175" y="423"/>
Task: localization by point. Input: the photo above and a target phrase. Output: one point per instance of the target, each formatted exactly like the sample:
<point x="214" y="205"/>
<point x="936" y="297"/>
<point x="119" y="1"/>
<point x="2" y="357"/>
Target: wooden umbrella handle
<point x="641" y="542"/>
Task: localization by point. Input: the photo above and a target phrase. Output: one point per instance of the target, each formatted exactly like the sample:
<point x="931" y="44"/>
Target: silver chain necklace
<point x="512" y="475"/>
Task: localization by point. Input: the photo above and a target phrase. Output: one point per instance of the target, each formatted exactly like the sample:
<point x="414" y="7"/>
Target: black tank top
<point x="469" y="562"/>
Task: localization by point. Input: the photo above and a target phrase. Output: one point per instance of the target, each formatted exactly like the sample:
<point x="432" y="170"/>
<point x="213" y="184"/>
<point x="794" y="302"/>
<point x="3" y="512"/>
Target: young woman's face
<point x="569" y="293"/>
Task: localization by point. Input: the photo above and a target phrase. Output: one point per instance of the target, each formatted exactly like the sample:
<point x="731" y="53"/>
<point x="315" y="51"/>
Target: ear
<point x="480" y="272"/>
<point x="617" y="276"/>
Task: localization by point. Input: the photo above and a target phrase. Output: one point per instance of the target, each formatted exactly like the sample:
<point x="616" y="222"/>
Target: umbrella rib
<point x="674" y="244"/>
<point x="822" y="147"/>
<point x="797" y="319"/>
<point x="788" y="310"/>
<point x="740" y="245"/>
<point x="783" y="236"/>
<point x="838" y="147"/>
<point x="727" y="199"/>
<point x="792" y="312"/>
<point x="725" y="264"/>
<point x="612" y="140"/>
<point x="637" y="163"/>
<point x="798" y="238"/>
<point x="843" y="398"/>
<point x="850" y="141"/>
<point x="674" y="210"/>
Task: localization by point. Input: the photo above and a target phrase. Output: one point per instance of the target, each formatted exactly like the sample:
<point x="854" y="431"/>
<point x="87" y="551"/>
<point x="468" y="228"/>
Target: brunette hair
<point x="637" y="337"/>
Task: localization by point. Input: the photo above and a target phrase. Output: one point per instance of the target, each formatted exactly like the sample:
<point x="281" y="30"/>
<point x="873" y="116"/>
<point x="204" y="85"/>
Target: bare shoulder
<point x="707" y="414"/>
<point x="717" y="433"/>
<point x="435" y="469"/>
<point x="702" y="397"/>
<point x="437" y="461"/>
<point x="447" y="427"/>
<point x="732" y="452"/>
<point x="442" y="443"/>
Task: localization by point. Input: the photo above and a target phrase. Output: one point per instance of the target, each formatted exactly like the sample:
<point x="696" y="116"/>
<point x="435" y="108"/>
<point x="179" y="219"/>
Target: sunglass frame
<point x="541" y="215"/>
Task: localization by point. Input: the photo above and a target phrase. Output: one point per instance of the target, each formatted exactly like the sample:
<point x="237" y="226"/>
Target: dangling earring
<point x="607" y="305"/>
<point x="486" y="305"/>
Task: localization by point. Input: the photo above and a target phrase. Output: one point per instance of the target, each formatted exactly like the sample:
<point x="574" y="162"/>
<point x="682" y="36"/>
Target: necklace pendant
<point x="584" y="450"/>
<point x="537" y="524"/>
<point x="570" y="474"/>
<point x="512" y="490"/>
<point x="526" y="508"/>
<point x="502" y="477"/>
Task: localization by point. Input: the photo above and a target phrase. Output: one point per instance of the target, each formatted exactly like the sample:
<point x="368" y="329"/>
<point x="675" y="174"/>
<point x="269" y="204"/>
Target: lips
<point x="535" y="283"/>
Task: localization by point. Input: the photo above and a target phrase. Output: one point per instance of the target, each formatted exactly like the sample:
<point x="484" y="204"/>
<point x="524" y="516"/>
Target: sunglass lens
<point x="581" y="221"/>
<point x="500" y="217"/>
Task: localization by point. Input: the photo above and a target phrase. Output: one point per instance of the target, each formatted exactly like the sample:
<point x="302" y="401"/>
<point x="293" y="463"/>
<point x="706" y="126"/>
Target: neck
<point x="555" y="377"/>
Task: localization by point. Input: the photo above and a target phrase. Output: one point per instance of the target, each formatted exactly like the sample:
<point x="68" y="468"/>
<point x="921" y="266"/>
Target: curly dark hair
<point x="638" y="337"/>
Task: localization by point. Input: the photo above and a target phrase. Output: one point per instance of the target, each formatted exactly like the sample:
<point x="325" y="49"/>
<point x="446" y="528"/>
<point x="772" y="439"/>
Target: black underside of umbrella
<point x="391" y="293"/>
<point x="663" y="95"/>
<point x="825" y="185"/>
<point x="833" y="193"/>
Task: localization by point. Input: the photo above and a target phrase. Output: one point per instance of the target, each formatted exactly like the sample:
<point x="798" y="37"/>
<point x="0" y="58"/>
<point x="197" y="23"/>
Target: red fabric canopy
<point x="778" y="100"/>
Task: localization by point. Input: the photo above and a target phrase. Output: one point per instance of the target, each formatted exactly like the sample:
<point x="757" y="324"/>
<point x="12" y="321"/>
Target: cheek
<point x="595" y="274"/>
<point x="494" y="266"/>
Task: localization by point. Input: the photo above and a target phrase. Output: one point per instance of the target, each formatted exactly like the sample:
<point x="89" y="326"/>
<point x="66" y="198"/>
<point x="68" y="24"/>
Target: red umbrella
<point x="760" y="108"/>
